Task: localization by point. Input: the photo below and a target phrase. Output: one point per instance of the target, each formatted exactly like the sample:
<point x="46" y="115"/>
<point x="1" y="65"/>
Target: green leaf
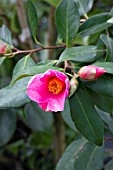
<point x="84" y="7"/>
<point x="79" y="151"/>
<point x="102" y="85"/>
<point x="2" y="60"/>
<point x="109" y="44"/>
<point x="90" y="157"/>
<point x="80" y="54"/>
<point x="85" y="117"/>
<point x="47" y="62"/>
<point x="68" y="158"/>
<point x="37" y="119"/>
<point x="94" y="24"/>
<point x="107" y="119"/>
<point x="111" y="12"/>
<point x="5" y="35"/>
<point x="33" y="18"/>
<point x="108" y="66"/>
<point x="26" y="67"/>
<point x="110" y="21"/>
<point x="103" y="102"/>
<point x="7" y="125"/>
<point x="67" y="116"/>
<point x="15" y="95"/>
<point x="67" y="20"/>
<point x="25" y="62"/>
<point x="109" y="165"/>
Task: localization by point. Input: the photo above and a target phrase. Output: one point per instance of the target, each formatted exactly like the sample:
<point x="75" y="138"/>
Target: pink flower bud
<point x="73" y="86"/>
<point x="2" y="47"/>
<point x="91" y="72"/>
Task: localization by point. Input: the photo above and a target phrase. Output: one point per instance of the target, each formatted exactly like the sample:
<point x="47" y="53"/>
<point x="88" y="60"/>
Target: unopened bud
<point x="73" y="86"/>
<point x="4" y="48"/>
<point x="90" y="72"/>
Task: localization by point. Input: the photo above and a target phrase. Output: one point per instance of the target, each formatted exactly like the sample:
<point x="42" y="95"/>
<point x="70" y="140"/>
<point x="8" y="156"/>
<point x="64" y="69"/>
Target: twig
<point x="106" y="138"/>
<point x="34" y="50"/>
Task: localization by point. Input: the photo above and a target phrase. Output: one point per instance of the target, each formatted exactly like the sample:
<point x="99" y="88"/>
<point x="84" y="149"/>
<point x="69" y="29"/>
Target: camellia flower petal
<point x="91" y="72"/>
<point x="2" y="47"/>
<point x="49" y="90"/>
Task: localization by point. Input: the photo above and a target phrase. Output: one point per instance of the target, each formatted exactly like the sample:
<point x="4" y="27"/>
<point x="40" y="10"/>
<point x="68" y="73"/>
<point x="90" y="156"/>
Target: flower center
<point x="56" y="85"/>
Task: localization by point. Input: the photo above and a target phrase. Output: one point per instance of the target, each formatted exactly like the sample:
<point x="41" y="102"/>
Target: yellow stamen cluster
<point x="56" y="85"/>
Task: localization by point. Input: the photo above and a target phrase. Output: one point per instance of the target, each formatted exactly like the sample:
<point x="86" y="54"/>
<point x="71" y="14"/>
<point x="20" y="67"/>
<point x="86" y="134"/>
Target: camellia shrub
<point x="77" y="84"/>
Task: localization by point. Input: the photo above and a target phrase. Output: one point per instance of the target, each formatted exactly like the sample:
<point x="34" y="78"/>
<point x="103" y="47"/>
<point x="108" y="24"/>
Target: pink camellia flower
<point x="2" y="47"/>
<point x="91" y="72"/>
<point x="49" y="90"/>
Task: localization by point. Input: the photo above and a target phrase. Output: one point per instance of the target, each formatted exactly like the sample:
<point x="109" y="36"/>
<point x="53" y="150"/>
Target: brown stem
<point x="59" y="138"/>
<point x="107" y="138"/>
<point x="34" y="50"/>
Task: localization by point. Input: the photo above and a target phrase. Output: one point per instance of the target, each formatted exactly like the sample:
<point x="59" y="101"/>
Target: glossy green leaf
<point x="109" y="165"/>
<point x="103" y="85"/>
<point x="33" y="18"/>
<point x="110" y="21"/>
<point x="7" y="125"/>
<point x="23" y="64"/>
<point x="85" y="117"/>
<point x="67" y="116"/>
<point x="67" y="20"/>
<point x="15" y="95"/>
<point x="37" y="119"/>
<point x="103" y="102"/>
<point x="111" y="12"/>
<point x="26" y="67"/>
<point x="109" y="44"/>
<point x="68" y="158"/>
<point x="108" y="66"/>
<point x="107" y="119"/>
<point x="2" y="60"/>
<point x="47" y="62"/>
<point x="5" y="35"/>
<point x="79" y="151"/>
<point x="81" y="54"/>
<point x="90" y="157"/>
<point x="94" y="24"/>
<point x="84" y="7"/>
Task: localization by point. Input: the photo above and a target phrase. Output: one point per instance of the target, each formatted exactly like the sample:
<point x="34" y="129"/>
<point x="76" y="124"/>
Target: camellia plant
<point x="77" y="84"/>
